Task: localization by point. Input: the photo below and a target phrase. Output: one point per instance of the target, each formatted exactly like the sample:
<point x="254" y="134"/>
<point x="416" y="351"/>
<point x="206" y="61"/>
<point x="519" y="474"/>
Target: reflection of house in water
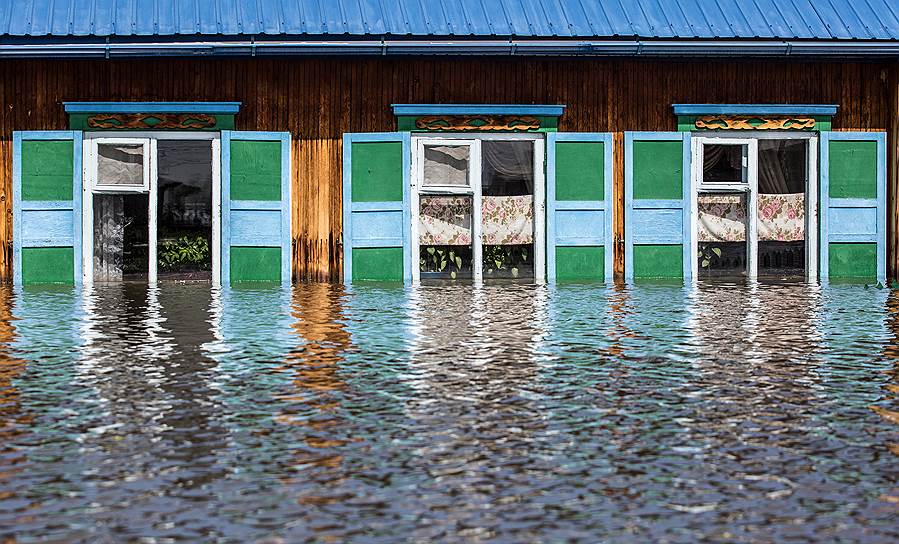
<point x="315" y="367"/>
<point x="14" y="424"/>
<point x="145" y="361"/>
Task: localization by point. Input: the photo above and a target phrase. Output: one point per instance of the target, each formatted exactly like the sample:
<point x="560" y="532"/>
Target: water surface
<point x="725" y="413"/>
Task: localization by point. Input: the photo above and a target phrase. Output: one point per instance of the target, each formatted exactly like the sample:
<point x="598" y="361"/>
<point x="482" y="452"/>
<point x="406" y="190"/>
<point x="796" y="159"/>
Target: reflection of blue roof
<point x="643" y="19"/>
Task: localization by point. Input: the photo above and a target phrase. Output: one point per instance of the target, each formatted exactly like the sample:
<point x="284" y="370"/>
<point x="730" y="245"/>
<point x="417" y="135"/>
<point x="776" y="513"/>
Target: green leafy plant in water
<point x="184" y="250"/>
<point x="707" y="255"/>
<point x="438" y="259"/>
<point x="504" y="258"/>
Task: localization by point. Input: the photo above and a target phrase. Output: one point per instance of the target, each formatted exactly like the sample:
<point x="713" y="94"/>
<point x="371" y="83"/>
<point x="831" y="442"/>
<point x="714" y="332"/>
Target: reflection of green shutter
<point x="47" y="207"/>
<point x="579" y="215"/>
<point x="853" y="211"/>
<point x="657" y="205"/>
<point x="376" y="207"/>
<point x="256" y="239"/>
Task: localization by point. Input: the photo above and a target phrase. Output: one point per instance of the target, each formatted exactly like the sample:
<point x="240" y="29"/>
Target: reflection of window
<point x="122" y="165"/>
<point x="722" y="233"/>
<point x="446" y="165"/>
<point x="783" y="170"/>
<point x="475" y="215"/>
<point x="752" y="206"/>
<point x="723" y="163"/>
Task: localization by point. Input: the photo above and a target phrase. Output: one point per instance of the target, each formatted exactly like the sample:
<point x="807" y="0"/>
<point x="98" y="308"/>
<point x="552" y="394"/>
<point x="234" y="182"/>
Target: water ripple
<point x="739" y="413"/>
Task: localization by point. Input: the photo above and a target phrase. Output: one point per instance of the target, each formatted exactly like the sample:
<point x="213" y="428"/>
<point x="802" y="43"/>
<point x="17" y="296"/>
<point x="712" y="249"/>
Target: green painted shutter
<point x="47" y="207"/>
<point x="256" y="238"/>
<point x="853" y="206"/>
<point x="579" y="211"/>
<point x="376" y="208"/>
<point x="657" y="205"/>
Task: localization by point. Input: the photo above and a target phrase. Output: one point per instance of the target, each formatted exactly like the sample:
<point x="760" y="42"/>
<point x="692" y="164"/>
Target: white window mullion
<point x="539" y="214"/>
<point x="152" y="234"/>
<point x="216" y="211"/>
<point x="414" y="234"/>
<point x="752" y="209"/>
<point x="811" y="211"/>
<point x="476" y="243"/>
<point x="87" y="213"/>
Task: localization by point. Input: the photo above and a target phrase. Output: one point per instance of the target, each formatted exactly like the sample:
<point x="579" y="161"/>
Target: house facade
<point x="390" y="142"/>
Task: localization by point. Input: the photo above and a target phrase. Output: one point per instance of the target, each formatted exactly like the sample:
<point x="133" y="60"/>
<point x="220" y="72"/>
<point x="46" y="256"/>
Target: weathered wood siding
<point x="317" y="100"/>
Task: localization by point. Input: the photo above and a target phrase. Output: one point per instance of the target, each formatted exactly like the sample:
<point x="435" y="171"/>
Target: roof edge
<point x="532" y="47"/>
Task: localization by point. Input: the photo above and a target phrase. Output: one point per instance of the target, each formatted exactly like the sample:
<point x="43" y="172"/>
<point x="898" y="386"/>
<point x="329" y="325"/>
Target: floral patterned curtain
<point x="446" y="220"/>
<point x="722" y="217"/>
<point x="782" y="217"/>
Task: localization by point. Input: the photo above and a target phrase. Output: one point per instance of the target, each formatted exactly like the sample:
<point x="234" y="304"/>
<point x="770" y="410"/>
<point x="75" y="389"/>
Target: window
<point x="150" y="205"/>
<point x="120" y="164"/>
<point x="755" y="208"/>
<point x="476" y="208"/>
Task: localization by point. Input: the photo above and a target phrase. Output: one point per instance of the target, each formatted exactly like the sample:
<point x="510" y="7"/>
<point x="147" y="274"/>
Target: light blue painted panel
<point x="34" y="234"/>
<point x="657" y="221"/>
<point x="657" y="226"/>
<point x="852" y="221"/>
<point x="580" y="227"/>
<point x="256" y="223"/>
<point x="578" y="222"/>
<point x="377" y="227"/>
<point x="376" y="224"/>
<point x="40" y="227"/>
<point x="256" y="228"/>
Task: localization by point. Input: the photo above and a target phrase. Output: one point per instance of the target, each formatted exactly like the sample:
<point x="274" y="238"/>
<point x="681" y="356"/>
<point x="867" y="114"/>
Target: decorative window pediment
<point x="805" y="117"/>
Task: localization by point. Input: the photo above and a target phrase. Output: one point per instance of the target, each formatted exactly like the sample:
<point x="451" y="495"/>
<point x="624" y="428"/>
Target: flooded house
<point x="404" y="141"/>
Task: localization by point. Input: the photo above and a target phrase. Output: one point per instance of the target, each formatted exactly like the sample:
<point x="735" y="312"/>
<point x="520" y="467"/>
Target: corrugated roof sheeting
<point x="662" y="19"/>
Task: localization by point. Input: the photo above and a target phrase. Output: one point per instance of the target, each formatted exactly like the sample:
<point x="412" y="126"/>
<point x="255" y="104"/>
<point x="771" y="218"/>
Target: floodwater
<point x="504" y="413"/>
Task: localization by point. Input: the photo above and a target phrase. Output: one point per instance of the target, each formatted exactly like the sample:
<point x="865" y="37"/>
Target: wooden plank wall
<point x="318" y="99"/>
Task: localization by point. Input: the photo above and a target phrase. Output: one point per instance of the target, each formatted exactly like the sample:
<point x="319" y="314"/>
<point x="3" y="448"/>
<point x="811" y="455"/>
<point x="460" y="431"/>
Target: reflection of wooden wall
<point x="319" y="99"/>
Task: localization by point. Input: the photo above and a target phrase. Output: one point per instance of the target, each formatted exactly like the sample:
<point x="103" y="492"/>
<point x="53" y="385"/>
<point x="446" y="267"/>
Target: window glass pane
<point x="121" y="236"/>
<point x="445" y="237"/>
<point x="120" y="164"/>
<point x="446" y="165"/>
<point x="722" y="234"/>
<point x="184" y="209"/>
<point x="783" y="170"/>
<point x="723" y="163"/>
<point x="507" y="209"/>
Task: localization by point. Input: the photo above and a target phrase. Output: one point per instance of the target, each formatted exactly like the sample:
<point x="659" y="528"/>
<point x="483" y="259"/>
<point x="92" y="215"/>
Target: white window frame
<point x="92" y="174"/>
<point x="91" y="187"/>
<point x="474" y="189"/>
<point x="750" y="189"/>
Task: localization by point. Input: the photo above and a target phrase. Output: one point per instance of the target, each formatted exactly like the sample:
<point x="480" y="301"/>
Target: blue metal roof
<point x="649" y="19"/>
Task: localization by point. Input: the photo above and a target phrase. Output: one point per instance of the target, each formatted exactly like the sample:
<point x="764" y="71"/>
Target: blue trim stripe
<point x="353" y="210"/>
<point x="755" y="109"/>
<point x="17" y="207"/>
<point x="285" y="240"/>
<point x="830" y="233"/>
<point x="683" y="206"/>
<point x="77" y="196"/>
<point x="554" y="206"/>
<point x="223" y="108"/>
<point x="376" y="206"/>
<point x="72" y="239"/>
<point x="477" y="109"/>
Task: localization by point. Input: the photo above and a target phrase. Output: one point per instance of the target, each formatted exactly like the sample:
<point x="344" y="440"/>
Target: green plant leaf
<point x="514" y="272"/>
<point x="430" y="250"/>
<point x="453" y="274"/>
<point x="705" y="263"/>
<point x="459" y="262"/>
<point x="716" y="251"/>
